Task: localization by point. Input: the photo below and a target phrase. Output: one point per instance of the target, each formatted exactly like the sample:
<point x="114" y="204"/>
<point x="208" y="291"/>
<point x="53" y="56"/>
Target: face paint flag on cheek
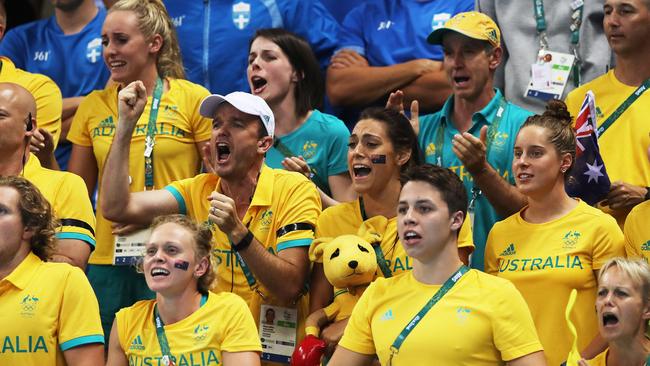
<point x="378" y="159"/>
<point x="181" y="264"/>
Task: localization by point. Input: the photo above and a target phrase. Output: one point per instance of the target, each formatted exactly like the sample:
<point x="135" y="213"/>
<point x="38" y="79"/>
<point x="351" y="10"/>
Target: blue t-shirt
<point x="322" y="140"/>
<point x="214" y="35"/>
<point x="389" y="32"/>
<point x="73" y="61"/>
<point x="500" y="155"/>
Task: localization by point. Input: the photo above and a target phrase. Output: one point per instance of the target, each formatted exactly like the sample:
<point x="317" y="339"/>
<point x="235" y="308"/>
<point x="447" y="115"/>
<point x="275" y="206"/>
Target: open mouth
<point x="410" y="237"/>
<point x="361" y="170"/>
<point x="223" y="152"/>
<point x="159" y="272"/>
<point x="461" y="79"/>
<point x="609" y="319"/>
<point x="258" y="84"/>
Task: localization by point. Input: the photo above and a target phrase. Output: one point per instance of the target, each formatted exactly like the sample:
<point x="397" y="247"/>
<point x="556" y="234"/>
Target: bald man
<point x="65" y="191"/>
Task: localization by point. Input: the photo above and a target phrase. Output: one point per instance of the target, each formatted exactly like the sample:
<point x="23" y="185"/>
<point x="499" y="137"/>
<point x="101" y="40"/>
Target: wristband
<point x="647" y="194"/>
<point x="244" y="242"/>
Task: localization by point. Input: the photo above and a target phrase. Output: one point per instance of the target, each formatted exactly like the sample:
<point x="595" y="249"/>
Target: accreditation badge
<point x="549" y="75"/>
<point x="278" y="327"/>
<point x="129" y="248"/>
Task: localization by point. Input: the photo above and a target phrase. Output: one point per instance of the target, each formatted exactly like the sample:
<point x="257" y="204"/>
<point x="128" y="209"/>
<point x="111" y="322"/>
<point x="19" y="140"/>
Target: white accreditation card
<point x="549" y="75"/>
<point x="278" y="327"/>
<point x="129" y="248"/>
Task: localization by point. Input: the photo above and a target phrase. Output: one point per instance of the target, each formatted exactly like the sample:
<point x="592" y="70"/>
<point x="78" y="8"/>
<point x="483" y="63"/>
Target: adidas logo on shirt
<point x="136" y="344"/>
<point x="510" y="250"/>
<point x="645" y="246"/>
<point x="388" y="315"/>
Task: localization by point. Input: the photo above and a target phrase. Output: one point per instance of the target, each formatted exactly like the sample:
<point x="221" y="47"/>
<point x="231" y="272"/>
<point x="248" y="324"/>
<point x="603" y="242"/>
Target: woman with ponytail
<point x="139" y="45"/>
<point x="556" y="243"/>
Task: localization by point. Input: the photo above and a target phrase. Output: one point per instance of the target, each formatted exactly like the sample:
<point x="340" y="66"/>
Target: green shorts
<point x="116" y="287"/>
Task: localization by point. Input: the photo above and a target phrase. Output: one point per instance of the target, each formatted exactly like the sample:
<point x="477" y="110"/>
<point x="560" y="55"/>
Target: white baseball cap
<point x="244" y="102"/>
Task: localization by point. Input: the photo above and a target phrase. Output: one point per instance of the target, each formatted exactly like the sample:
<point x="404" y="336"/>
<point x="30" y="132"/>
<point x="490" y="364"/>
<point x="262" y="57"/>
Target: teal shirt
<point x="322" y="140"/>
<point x="500" y="156"/>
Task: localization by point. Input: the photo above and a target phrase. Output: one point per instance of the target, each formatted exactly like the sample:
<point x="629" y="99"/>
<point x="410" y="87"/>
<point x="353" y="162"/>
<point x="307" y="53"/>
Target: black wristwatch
<point x="647" y="194"/>
<point x="244" y="242"/>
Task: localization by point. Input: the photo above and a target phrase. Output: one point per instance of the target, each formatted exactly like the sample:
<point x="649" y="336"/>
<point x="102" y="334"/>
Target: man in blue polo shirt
<point x="67" y="47"/>
<point x="474" y="132"/>
<point x="383" y="48"/>
<point x="214" y="35"/>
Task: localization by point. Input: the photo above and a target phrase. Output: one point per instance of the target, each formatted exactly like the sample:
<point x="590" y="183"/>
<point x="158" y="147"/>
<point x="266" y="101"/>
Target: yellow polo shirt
<point x="222" y="323"/>
<point x="281" y="199"/>
<point x="637" y="232"/>
<point x="46" y="309"/>
<point x="481" y="321"/>
<point x="47" y="94"/>
<point x="546" y="261"/>
<point x="179" y="127"/>
<point x="68" y="195"/>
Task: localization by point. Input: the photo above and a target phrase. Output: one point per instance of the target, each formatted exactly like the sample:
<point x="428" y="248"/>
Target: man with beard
<point x="67" y="47"/>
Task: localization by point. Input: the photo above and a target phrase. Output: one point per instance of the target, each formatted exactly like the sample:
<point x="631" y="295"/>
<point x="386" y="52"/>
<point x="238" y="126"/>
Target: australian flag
<point x="588" y="178"/>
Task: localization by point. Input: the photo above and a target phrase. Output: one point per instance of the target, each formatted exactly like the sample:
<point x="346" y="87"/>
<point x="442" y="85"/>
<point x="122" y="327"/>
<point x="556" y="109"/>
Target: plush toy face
<point x="348" y="260"/>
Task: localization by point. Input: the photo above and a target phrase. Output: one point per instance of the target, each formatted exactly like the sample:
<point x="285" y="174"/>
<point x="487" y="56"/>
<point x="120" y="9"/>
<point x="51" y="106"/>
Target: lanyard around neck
<point x="167" y="358"/>
<point x="491" y="134"/>
<point x="577" y="10"/>
<point x="150" y="140"/>
<point x="451" y="281"/>
<point x="379" y="254"/>
<point x="623" y="107"/>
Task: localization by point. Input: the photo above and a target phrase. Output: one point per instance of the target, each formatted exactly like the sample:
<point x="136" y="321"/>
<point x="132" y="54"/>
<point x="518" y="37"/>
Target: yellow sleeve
<point x="122" y="324"/>
<point x="609" y="242"/>
<point x="490" y="257"/>
<point x="240" y="333"/>
<point x="79" y="133"/>
<point x="201" y="126"/>
<point x="49" y="104"/>
<point x="514" y="331"/>
<point x="180" y="189"/>
<point x="74" y="211"/>
<point x="574" y="101"/>
<point x="465" y="236"/>
<point x="302" y="205"/>
<point x="75" y="327"/>
<point x="357" y="336"/>
<point x="632" y="249"/>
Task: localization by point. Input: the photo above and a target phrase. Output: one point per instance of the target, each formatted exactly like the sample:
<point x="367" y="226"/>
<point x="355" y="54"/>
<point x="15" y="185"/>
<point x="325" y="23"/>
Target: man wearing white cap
<point x="263" y="219"/>
<point x="474" y="132"/>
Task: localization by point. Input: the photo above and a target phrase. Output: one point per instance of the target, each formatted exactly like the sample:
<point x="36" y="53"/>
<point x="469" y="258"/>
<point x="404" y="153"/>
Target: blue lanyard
<point x="623" y="107"/>
<point x="150" y="140"/>
<point x="577" y="10"/>
<point x="451" y="281"/>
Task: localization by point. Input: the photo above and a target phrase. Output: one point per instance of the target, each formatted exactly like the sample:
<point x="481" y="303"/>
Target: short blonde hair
<point x="153" y="19"/>
<point x="635" y="269"/>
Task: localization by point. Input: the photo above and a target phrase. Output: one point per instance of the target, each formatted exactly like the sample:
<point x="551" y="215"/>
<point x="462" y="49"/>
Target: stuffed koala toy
<point x="350" y="264"/>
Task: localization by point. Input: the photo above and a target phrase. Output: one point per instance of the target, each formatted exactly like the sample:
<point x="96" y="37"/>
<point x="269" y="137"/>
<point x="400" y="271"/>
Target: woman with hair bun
<point x="186" y="324"/>
<point x="139" y="45"/>
<point x="556" y="243"/>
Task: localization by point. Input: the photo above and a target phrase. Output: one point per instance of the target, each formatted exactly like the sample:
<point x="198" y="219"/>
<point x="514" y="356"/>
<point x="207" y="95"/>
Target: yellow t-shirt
<point x="482" y="320"/>
<point x="623" y="146"/>
<point x="546" y="261"/>
<point x="47" y="94"/>
<point x="67" y="194"/>
<point x="175" y="156"/>
<point x="346" y="219"/>
<point x="281" y="199"/>
<point x="637" y="232"/>
<point x="40" y="313"/>
<point x="222" y="323"/>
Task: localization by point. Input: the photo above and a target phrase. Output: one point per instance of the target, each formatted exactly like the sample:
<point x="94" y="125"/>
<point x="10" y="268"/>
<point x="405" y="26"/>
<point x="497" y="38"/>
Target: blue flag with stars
<point x="588" y="178"/>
